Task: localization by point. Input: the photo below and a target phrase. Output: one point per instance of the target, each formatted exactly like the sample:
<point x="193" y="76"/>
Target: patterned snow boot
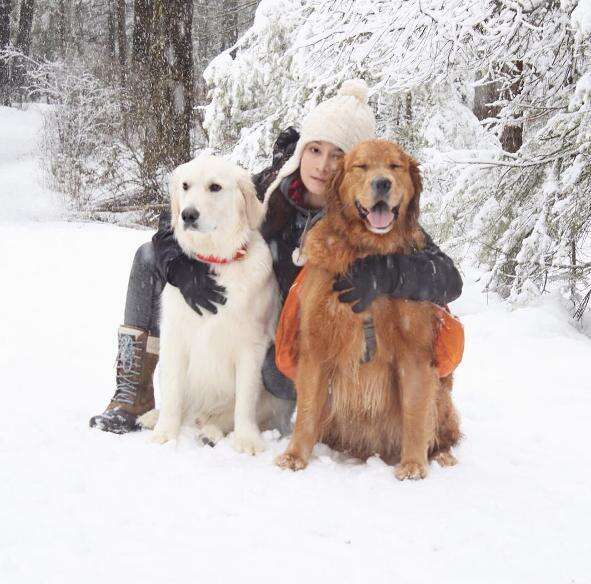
<point x="136" y="360"/>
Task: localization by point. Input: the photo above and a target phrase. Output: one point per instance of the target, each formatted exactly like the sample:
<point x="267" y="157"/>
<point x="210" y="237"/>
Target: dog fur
<point x="210" y="365"/>
<point x="395" y="405"/>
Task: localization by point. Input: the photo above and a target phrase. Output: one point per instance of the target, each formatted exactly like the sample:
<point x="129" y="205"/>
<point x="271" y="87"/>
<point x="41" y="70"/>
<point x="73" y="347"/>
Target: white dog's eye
<point x="215" y="187"/>
<point x="185" y="186"/>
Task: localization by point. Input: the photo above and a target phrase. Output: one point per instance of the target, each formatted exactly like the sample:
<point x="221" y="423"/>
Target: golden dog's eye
<point x="185" y="186"/>
<point x="394" y="166"/>
<point x="215" y="187"/>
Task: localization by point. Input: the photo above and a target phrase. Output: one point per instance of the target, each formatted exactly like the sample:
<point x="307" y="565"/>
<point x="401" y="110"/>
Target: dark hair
<point x="280" y="212"/>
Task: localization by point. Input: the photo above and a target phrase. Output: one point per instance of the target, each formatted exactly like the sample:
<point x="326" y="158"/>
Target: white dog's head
<point x="214" y="206"/>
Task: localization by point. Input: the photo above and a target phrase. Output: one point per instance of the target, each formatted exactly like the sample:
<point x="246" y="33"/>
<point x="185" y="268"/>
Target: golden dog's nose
<point x="381" y="185"/>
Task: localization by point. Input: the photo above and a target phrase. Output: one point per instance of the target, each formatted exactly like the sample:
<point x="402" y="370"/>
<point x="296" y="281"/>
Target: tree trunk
<point x="229" y="24"/>
<point x="23" y="44"/>
<point x="203" y="47"/>
<point x="122" y="40"/>
<point x="5" y="8"/>
<point x="143" y="16"/>
<point x="63" y="26"/>
<point x="139" y="131"/>
<point x="25" y="22"/>
<point x="171" y="85"/>
<point x="112" y="43"/>
<point x="511" y="137"/>
<point x="184" y="92"/>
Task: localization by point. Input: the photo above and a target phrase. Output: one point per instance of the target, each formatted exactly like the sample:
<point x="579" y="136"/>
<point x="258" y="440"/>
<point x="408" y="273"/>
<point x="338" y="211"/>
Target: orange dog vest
<point x="449" y="345"/>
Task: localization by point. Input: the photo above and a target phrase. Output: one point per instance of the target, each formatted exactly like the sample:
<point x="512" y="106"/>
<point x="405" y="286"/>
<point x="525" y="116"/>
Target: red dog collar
<point x="215" y="260"/>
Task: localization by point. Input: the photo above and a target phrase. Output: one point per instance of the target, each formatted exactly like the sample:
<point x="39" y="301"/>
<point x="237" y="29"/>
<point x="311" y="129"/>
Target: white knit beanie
<point x="343" y="120"/>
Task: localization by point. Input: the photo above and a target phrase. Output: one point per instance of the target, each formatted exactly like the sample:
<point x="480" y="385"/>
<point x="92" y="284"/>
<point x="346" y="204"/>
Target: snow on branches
<point x="510" y="184"/>
<point x="528" y="215"/>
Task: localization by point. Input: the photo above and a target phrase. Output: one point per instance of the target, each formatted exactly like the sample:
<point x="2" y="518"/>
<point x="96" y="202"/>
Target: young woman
<point x="294" y="189"/>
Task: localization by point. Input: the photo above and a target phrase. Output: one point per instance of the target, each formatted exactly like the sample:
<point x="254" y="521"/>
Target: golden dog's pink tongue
<point x="380" y="217"/>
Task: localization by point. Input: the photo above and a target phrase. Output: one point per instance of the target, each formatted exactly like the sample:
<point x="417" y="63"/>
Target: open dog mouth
<point x="379" y="218"/>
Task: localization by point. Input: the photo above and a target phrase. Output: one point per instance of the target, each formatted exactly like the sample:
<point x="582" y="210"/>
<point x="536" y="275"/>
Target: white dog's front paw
<point x="148" y="420"/>
<point x="210" y="435"/>
<point x="163" y="435"/>
<point x="250" y="442"/>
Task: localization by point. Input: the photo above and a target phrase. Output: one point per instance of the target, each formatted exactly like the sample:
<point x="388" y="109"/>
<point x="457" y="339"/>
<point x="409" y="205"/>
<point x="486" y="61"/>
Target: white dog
<point x="210" y="365"/>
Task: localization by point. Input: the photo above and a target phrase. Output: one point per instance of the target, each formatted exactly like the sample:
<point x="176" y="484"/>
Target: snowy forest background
<point x="491" y="96"/>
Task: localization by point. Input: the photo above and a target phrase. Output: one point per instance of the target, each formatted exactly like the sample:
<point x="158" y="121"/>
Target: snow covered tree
<point x="252" y="89"/>
<point x="528" y="216"/>
<point x="509" y="185"/>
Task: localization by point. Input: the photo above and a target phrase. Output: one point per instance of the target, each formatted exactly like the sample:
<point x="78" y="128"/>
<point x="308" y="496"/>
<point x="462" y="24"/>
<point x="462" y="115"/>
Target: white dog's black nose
<point x="381" y="186"/>
<point x="190" y="216"/>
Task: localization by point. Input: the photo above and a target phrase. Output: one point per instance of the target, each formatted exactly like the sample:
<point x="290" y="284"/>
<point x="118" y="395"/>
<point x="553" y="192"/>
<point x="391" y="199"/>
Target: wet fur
<point x="395" y="405"/>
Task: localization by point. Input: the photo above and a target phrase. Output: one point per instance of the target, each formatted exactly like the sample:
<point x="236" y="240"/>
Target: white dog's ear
<point x="173" y="190"/>
<point x="255" y="211"/>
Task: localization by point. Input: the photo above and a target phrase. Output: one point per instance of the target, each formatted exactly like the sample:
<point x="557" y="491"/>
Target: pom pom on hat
<point x="356" y="87"/>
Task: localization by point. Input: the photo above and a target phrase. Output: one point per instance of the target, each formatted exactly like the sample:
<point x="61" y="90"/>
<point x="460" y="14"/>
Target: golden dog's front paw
<point x="291" y="461"/>
<point x="445" y="459"/>
<point x="410" y="470"/>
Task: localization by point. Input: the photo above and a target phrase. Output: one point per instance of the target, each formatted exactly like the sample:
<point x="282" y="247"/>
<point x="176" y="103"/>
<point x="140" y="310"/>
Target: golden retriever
<point x="393" y="405"/>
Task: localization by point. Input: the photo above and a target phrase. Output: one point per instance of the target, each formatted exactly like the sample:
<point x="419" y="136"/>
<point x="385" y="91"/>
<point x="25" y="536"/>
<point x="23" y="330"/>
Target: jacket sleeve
<point x="429" y="275"/>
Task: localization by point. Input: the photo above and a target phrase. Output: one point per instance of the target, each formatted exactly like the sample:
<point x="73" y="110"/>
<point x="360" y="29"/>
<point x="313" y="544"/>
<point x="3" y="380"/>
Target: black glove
<point x="284" y="146"/>
<point x="192" y="277"/>
<point x="367" y="279"/>
<point x="166" y="247"/>
<point x="282" y="151"/>
<point x="427" y="275"/>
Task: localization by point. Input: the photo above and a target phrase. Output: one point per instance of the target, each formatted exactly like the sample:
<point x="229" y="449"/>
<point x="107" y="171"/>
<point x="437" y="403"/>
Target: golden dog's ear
<point x="173" y="190"/>
<point x="332" y="193"/>
<point x="417" y="183"/>
<point x="255" y="211"/>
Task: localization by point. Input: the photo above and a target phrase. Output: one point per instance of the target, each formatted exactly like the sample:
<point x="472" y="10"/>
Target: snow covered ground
<point x="80" y="505"/>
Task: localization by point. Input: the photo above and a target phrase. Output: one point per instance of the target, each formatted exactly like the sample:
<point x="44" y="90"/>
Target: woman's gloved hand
<point x="367" y="279"/>
<point x="192" y="277"/>
<point x="427" y="275"/>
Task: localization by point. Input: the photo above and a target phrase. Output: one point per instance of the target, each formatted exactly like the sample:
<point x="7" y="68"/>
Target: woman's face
<point x="319" y="161"/>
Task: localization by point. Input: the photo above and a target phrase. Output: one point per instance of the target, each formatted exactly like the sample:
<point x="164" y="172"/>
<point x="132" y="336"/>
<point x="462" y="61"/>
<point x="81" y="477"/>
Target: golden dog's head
<point x="377" y="188"/>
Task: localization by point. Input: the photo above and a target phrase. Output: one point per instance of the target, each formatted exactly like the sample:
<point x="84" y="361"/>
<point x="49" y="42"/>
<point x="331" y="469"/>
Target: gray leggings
<point x="142" y="305"/>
